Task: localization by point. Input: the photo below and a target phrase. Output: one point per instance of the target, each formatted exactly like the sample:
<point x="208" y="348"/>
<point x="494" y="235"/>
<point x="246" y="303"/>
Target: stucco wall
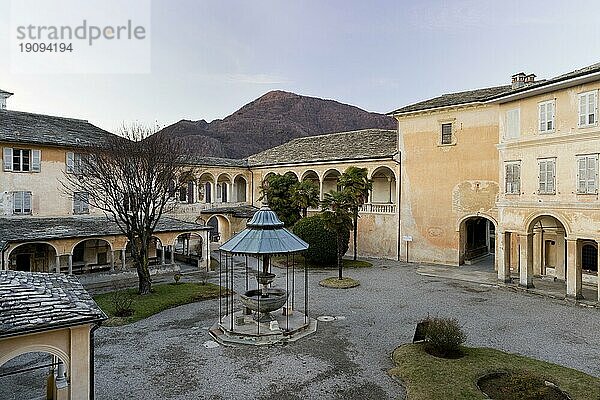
<point x="442" y="184"/>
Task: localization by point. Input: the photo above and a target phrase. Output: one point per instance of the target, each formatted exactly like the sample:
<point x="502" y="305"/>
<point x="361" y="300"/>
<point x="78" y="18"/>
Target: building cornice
<point x="550" y="139"/>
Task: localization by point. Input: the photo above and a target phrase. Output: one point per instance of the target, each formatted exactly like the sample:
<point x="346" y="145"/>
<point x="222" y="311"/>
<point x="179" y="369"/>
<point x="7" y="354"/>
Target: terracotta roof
<point x="34" y="302"/>
<point x="23" y="127"/>
<point x="353" y="145"/>
<point x="23" y="229"/>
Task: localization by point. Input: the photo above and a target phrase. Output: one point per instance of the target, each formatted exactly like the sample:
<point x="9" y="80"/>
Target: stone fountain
<point x="260" y="321"/>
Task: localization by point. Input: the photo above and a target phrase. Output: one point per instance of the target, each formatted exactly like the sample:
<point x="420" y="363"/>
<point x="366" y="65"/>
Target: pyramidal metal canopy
<point x="264" y="234"/>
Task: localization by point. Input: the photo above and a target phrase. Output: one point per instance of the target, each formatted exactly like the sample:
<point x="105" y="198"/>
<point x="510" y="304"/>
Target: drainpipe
<point x="398" y="197"/>
<point x="96" y="326"/>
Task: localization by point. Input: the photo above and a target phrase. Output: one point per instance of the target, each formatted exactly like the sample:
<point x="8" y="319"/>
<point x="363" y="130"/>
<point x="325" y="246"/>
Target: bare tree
<point x="131" y="178"/>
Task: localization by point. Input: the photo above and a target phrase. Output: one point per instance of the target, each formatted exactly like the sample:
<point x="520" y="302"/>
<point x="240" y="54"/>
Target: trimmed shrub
<point x="443" y="337"/>
<point x="322" y="248"/>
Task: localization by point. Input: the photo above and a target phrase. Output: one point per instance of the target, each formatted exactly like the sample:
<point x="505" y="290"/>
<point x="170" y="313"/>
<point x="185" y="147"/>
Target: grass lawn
<point x="430" y="378"/>
<point x="336" y="283"/>
<point x="162" y="297"/>
<point x="279" y="261"/>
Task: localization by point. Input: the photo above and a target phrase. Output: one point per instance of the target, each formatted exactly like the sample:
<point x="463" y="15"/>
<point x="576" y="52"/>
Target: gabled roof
<point x="491" y="93"/>
<point x="353" y="145"/>
<point x="454" y="99"/>
<point x="215" y="161"/>
<point x="35" y="302"/>
<point x="23" y="229"/>
<point x="23" y="127"/>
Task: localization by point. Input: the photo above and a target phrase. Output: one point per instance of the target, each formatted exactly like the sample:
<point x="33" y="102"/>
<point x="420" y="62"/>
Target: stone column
<point x="321" y="188"/>
<point x="560" y="255"/>
<point x="70" y="264"/>
<point x="573" y="271"/>
<point x="503" y="257"/>
<point x="206" y="254"/>
<point x="57" y="266"/>
<point x="538" y="249"/>
<point x="172" y="248"/>
<point x="112" y="260"/>
<point x="162" y="255"/>
<point x="598" y="274"/>
<point x="526" y="259"/>
<point x="123" y="259"/>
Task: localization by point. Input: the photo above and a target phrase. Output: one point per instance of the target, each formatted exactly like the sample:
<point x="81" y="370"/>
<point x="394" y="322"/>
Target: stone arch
<point x="37" y="348"/>
<point x="23" y="257"/>
<point x="535" y="217"/>
<point x="330" y="179"/>
<point x="221" y="224"/>
<point x="223" y="188"/>
<point x="110" y="245"/>
<point x="384" y="185"/>
<point x="310" y="174"/>
<point x="34" y="242"/>
<point x="290" y="172"/>
<point x="240" y="185"/>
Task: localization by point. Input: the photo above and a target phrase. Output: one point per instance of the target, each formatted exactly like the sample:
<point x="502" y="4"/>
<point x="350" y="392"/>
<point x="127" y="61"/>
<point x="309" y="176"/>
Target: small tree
<point x="305" y="194"/>
<point x="277" y="190"/>
<point x="357" y="185"/>
<point x="337" y="218"/>
<point x="130" y="177"/>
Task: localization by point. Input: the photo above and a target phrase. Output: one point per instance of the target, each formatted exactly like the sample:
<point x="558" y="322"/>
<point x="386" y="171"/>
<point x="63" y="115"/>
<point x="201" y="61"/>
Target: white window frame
<point x="547" y="176"/>
<point x="21" y="203"/>
<point x="544" y="114"/>
<point x="585" y="102"/>
<point x="587" y="174"/>
<point x="81" y="203"/>
<point x="512" y="186"/>
<point x="73" y="162"/>
<point x="9" y="154"/>
<point x="515" y="132"/>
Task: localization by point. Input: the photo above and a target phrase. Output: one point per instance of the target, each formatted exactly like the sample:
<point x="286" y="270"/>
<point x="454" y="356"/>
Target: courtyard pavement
<point x="170" y="355"/>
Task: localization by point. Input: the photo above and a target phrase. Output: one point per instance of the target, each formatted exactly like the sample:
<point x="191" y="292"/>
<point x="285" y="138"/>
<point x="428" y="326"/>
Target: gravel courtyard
<point x="164" y="357"/>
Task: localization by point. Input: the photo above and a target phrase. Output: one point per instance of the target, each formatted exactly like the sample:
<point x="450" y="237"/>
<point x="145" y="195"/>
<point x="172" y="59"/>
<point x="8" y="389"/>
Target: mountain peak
<point x="272" y="119"/>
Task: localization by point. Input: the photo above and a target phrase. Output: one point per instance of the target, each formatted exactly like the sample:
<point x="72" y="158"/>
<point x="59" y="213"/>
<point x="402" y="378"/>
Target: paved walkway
<point x="484" y="273"/>
<point x="170" y="355"/>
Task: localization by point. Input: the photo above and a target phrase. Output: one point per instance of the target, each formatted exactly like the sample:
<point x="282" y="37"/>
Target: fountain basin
<point x="275" y="300"/>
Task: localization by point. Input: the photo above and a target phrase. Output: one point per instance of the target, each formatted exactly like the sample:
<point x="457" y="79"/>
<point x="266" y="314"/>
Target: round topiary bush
<point x="444" y="337"/>
<point x="322" y="248"/>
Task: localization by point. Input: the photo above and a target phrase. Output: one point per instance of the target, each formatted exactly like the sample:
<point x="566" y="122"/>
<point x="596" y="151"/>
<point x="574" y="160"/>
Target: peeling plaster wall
<point x="442" y="184"/>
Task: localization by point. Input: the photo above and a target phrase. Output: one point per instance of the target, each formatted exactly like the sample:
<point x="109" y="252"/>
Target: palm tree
<point x="305" y="194"/>
<point x="337" y="219"/>
<point x="355" y="182"/>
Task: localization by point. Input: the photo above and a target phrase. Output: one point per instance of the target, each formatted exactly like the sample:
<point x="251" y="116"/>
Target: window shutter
<point x="517" y="175"/>
<point x="595" y="109"/>
<point x="591" y="109"/>
<point x="8" y="158"/>
<point x="36" y="160"/>
<point x="550" y="115"/>
<point x="85" y="205"/>
<point x="581" y="175"/>
<point x="26" y="202"/>
<point x="542" y="177"/>
<point x="551" y="176"/>
<point x="542" y="109"/>
<point x="17" y="202"/>
<point x="582" y="110"/>
<point x="508" y="179"/>
<point x="70" y="162"/>
<point x="592" y="167"/>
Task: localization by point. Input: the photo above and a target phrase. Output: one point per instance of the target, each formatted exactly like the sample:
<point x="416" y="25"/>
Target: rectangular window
<point x="587" y="174"/>
<point x="22" y="160"/>
<point x="546" y="113"/>
<point x="513" y="178"/>
<point x="22" y="203"/>
<point x="513" y="124"/>
<point x="447" y="133"/>
<point x="81" y="203"/>
<point x="547" y="178"/>
<point x="74" y="164"/>
<point x="588" y="108"/>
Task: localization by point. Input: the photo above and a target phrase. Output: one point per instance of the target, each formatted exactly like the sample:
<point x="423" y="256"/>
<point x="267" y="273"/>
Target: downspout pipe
<point x="398" y="200"/>
<point x="92" y="362"/>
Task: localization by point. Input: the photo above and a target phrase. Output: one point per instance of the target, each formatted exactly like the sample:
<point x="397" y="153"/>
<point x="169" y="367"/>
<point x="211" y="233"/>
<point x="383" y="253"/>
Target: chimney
<point x="3" y="96"/>
<point x="529" y="79"/>
<point x="518" y="80"/>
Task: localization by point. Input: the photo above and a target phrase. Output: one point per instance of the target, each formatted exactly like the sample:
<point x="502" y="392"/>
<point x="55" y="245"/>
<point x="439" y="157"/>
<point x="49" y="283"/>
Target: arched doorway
<point x="206" y="182"/>
<point x="223" y="188"/>
<point x="477" y="241"/>
<point x="220" y="228"/>
<point x="92" y="255"/>
<point x="384" y="186"/>
<point x="549" y="247"/>
<point x="33" y="375"/>
<point x="589" y="257"/>
<point x="33" y="257"/>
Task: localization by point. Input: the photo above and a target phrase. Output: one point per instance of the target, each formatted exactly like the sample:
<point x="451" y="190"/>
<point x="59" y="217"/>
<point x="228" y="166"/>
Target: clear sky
<point x="211" y="57"/>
